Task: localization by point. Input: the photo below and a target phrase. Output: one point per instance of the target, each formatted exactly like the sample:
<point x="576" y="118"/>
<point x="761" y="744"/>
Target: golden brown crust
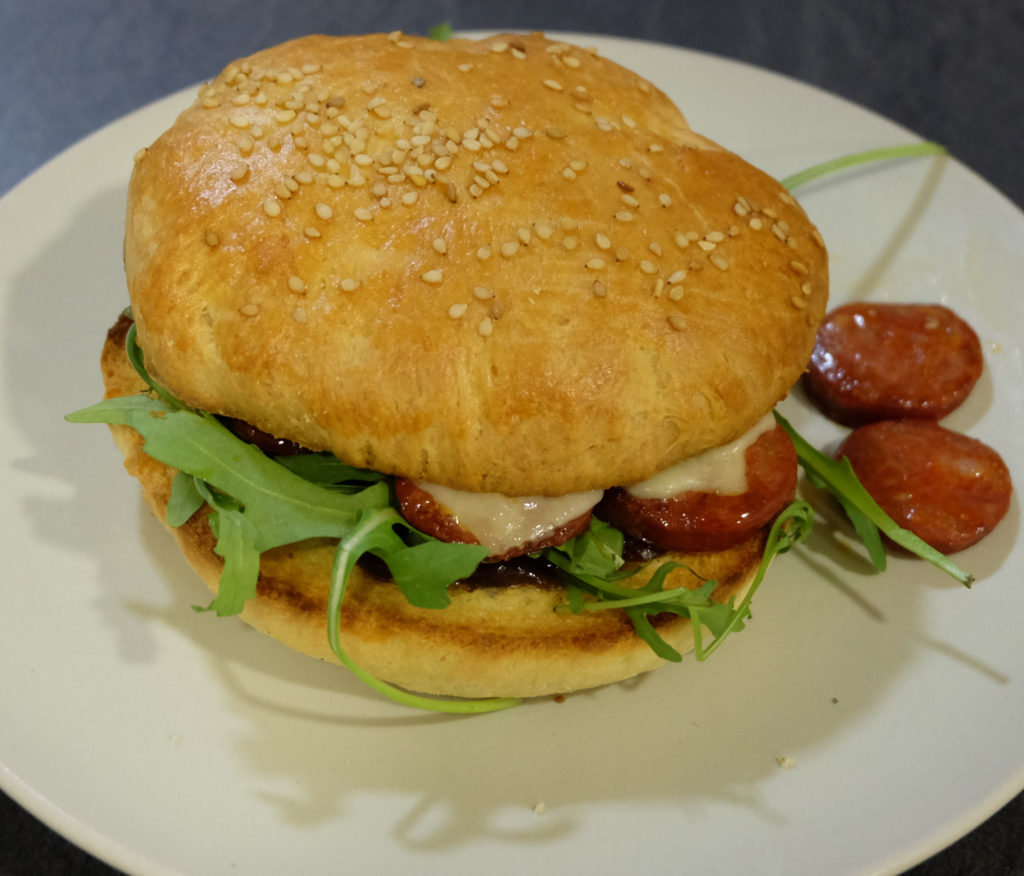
<point x="643" y="294"/>
<point x="492" y="641"/>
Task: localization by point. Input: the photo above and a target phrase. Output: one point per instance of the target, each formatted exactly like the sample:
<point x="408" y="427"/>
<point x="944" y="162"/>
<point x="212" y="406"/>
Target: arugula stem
<point x="344" y="559"/>
<point x="839" y="479"/>
<point x="913" y="150"/>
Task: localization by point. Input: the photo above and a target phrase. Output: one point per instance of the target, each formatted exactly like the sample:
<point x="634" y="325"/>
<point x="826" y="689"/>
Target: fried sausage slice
<point x="947" y="488"/>
<point x="698" y="521"/>
<point x="892" y="361"/>
<point x="433" y="517"/>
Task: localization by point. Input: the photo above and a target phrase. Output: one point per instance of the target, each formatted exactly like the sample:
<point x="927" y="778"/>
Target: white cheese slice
<point x="502" y="523"/>
<point x="720" y="470"/>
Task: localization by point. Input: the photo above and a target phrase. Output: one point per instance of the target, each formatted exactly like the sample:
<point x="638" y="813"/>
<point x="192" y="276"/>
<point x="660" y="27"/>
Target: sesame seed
<point x="285" y="116"/>
<point x="239" y="121"/>
<point x="522" y="133"/>
<point x="211" y="237"/>
<point x="706" y="245"/>
<point x="665" y="200"/>
<point x="433" y="276"/>
<point x="271" y="207"/>
<point x="362" y="214"/>
<point x="715" y="236"/>
<point x="323" y="211"/>
<point x="806" y="289"/>
<point x="553" y="84"/>
<point x="599" y="289"/>
<point x="524" y="236"/>
<point x="296" y="284"/>
<point x="595" y="264"/>
<point x="457" y="311"/>
<point x="555" y="133"/>
<point x="624" y="216"/>
<point x="439" y="245"/>
<point x="410" y="198"/>
<point x="311" y="231"/>
<point x="238" y="171"/>
<point x="603" y="242"/>
<point x="675" y="293"/>
<point x="655" y="247"/>
<point x="569" y="174"/>
<point x="719" y="262"/>
<point x="349" y="284"/>
<point x="571" y="61"/>
<point x="778" y="231"/>
<point x="248" y="310"/>
<point x="482" y="293"/>
<point x="485" y="327"/>
<point x="630" y="201"/>
<point x="681" y="240"/>
<point x="299" y="314"/>
<point x="499" y="165"/>
<point x="570" y="242"/>
<point x="543" y="230"/>
<point x="798" y="302"/>
<point x="817" y="238"/>
<point x="676" y="277"/>
<point x="677" y="321"/>
<point x="621" y="253"/>
<point x="756" y="223"/>
<point x="509" y="248"/>
<point x="648" y="267"/>
<point x="800" y="268"/>
<point x="483" y="253"/>
<point x="659" y="287"/>
<point x="567" y="223"/>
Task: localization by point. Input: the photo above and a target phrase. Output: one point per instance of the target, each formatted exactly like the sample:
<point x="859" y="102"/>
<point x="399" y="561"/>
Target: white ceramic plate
<point x="166" y="741"/>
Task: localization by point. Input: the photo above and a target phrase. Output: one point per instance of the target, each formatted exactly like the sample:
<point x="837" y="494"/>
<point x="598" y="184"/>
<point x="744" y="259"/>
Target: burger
<point x="455" y="361"/>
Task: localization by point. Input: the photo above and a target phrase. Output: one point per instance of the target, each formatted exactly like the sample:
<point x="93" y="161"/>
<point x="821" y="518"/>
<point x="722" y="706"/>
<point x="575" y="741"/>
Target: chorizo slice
<point x="892" y="361"/>
<point x="946" y="487"/>
<point x="423" y="511"/>
<point x="694" y="521"/>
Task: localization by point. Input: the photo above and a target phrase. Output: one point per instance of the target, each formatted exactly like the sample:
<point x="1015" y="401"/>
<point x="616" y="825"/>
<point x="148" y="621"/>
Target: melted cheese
<point x="720" y="470"/>
<point x="501" y="523"/>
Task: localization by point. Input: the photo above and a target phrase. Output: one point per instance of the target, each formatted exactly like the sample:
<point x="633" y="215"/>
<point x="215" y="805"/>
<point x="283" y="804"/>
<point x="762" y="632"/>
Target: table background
<point x="951" y="70"/>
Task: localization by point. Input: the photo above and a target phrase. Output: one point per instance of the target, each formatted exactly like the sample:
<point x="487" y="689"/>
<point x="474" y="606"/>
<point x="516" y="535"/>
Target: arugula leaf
<point x="326" y="470"/>
<point x="441" y="32"/>
<point x="792" y="526"/>
<point x="912" y="150"/>
<point x="185" y="500"/>
<point x="869" y="519"/>
<point x="236" y="545"/>
<point x="284" y="507"/>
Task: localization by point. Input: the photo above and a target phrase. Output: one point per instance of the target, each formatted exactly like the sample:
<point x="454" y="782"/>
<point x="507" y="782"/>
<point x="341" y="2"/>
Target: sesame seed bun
<point x="505" y="266"/>
<point x="501" y="636"/>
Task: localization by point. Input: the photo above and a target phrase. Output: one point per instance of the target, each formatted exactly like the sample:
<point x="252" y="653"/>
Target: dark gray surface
<point x="951" y="70"/>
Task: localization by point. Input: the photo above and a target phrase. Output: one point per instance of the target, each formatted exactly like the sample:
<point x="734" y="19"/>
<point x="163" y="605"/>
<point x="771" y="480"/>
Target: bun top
<point x="505" y="266"/>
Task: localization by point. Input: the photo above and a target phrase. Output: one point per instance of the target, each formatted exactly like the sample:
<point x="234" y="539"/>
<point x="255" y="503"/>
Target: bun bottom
<point x="495" y="639"/>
